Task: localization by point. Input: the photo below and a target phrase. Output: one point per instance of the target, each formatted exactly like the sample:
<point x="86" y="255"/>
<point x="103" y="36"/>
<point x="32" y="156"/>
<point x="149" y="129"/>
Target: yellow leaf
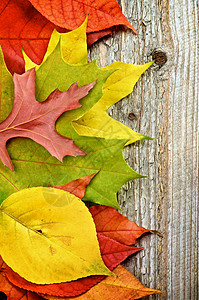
<point x="96" y="122"/>
<point x="73" y="47"/>
<point x="48" y="236"/>
<point x="122" y="287"/>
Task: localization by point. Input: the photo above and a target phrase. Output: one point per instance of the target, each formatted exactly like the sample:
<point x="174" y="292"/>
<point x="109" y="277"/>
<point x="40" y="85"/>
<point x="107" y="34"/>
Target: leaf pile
<point x="112" y="251"/>
<point x="58" y="146"/>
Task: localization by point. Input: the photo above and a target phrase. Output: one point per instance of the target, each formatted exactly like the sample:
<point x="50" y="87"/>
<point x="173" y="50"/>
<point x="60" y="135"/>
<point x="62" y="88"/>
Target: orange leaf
<point x="122" y="287"/>
<point x="112" y="224"/>
<point x="22" y="26"/>
<point x="14" y="293"/>
<point x="77" y="187"/>
<point x="70" y="14"/>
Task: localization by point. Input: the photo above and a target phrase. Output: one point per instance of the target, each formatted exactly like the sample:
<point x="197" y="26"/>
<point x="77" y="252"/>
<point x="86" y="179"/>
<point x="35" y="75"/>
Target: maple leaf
<point x="35" y="120"/>
<point x="49" y="227"/>
<point x="96" y="121"/>
<point x="6" y="90"/>
<point x="34" y="167"/>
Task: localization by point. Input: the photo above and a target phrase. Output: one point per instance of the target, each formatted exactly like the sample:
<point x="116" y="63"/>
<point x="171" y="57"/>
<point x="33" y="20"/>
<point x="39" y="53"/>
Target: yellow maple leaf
<point x="96" y="122"/>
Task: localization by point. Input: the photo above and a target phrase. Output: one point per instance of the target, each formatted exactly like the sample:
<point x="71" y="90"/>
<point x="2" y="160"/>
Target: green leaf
<point x="48" y="236"/>
<point x="35" y="167"/>
<point x="56" y="73"/>
<point x="6" y="89"/>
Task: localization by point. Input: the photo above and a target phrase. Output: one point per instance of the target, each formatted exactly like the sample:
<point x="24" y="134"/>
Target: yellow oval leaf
<point x="48" y="236"/>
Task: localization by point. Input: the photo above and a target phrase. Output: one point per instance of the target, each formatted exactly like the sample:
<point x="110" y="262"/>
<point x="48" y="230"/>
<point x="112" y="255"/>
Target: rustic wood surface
<point x="165" y="105"/>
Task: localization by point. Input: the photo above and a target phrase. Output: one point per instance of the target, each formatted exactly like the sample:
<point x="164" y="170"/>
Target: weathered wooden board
<point x="165" y="103"/>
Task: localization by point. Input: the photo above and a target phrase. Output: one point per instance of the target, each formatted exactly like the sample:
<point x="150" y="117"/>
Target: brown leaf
<point x="32" y="119"/>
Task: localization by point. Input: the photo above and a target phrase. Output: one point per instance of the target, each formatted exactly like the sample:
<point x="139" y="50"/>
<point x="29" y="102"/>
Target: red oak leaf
<point x="113" y="253"/>
<point x="36" y="120"/>
<point x="70" y="14"/>
<point x="112" y="224"/>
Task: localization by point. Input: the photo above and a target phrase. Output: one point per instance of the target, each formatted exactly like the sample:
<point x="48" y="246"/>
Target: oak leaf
<point x="52" y="234"/>
<point x="6" y="90"/>
<point x="36" y="121"/>
<point x="35" y="167"/>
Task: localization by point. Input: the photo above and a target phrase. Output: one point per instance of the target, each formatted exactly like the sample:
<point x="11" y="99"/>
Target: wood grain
<point x="166" y="107"/>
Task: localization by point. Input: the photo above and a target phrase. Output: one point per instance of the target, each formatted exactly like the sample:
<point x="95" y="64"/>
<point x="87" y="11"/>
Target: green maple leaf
<point x="33" y="164"/>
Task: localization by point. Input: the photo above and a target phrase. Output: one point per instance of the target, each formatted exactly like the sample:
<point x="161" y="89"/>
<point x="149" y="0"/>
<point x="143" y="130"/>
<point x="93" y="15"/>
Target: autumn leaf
<point x="21" y="25"/>
<point x="96" y="122"/>
<point x="113" y="253"/>
<point x="35" y="167"/>
<point x="13" y="292"/>
<point x="33" y="164"/>
<point x="73" y="47"/>
<point x="45" y="228"/>
<point x="103" y="14"/>
<point x="77" y="187"/>
<point x="6" y="90"/>
<point x="111" y="223"/>
<point x="123" y="286"/>
<point x="35" y="120"/>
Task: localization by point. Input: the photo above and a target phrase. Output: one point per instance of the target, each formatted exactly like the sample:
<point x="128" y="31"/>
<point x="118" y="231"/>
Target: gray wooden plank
<point x="165" y="102"/>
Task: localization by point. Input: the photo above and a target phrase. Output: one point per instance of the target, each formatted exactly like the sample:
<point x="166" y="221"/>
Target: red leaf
<point x="112" y="224"/>
<point x="21" y="25"/>
<point x="113" y="253"/>
<point x="36" y="120"/>
<point x="14" y="293"/>
<point x="77" y="187"/>
<point x="70" y="14"/>
<point x="92" y="37"/>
